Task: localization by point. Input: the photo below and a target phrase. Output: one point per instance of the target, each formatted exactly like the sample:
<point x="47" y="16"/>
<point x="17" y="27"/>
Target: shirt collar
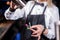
<point x="45" y="3"/>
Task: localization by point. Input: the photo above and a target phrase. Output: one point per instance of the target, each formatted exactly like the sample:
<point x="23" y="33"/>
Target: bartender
<point x="41" y="15"/>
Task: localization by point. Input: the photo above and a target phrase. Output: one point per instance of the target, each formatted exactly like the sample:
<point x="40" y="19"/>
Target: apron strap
<point x="44" y="14"/>
<point x="44" y="9"/>
<point x="33" y="7"/>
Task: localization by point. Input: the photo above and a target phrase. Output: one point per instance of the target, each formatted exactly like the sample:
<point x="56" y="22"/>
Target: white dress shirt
<point x="51" y="15"/>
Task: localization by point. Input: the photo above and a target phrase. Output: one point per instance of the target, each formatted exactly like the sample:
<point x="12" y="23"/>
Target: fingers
<point x="32" y="30"/>
<point x="8" y="3"/>
<point x="38" y="32"/>
<point x="12" y="5"/>
<point x="35" y="35"/>
<point x="37" y="27"/>
<point x="35" y="32"/>
<point x="39" y="38"/>
<point x="33" y="27"/>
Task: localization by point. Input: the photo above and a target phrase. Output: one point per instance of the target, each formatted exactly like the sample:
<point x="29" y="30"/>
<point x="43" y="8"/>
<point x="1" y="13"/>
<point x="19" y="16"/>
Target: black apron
<point x="34" y="20"/>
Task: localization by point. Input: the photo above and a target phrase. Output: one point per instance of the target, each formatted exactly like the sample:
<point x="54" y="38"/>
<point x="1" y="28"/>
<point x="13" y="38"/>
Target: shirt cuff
<point x="12" y="10"/>
<point x="50" y="35"/>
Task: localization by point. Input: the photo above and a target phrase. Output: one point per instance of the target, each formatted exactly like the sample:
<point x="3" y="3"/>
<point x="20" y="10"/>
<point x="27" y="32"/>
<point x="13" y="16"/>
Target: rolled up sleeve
<point x="51" y="28"/>
<point x="18" y="13"/>
<point x="51" y="31"/>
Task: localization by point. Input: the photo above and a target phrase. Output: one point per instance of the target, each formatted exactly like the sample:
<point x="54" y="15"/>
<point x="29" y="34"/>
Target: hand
<point x="38" y="31"/>
<point x="45" y="32"/>
<point x="12" y="5"/>
<point x="39" y="37"/>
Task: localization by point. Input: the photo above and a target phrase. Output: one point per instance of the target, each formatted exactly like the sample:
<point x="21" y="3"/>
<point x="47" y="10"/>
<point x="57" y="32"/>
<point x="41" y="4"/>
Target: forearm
<point x="49" y="33"/>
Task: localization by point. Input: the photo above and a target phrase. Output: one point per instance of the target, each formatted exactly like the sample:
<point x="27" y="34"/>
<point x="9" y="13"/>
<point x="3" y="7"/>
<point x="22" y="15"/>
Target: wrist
<point x="45" y="31"/>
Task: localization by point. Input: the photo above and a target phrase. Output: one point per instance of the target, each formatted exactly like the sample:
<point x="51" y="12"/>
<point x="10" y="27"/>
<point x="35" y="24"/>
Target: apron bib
<point x="34" y="20"/>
